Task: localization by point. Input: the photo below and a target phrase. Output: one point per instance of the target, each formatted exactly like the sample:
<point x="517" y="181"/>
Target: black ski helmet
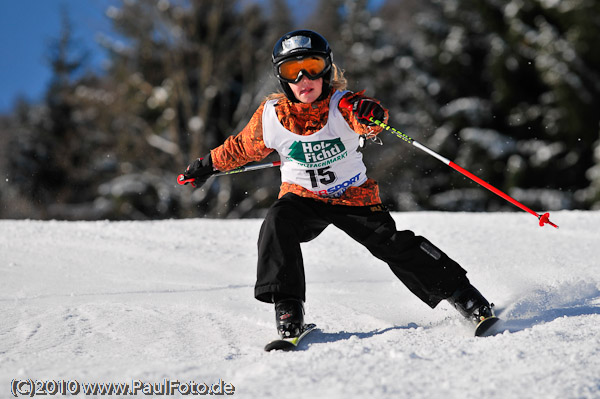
<point x="299" y="44"/>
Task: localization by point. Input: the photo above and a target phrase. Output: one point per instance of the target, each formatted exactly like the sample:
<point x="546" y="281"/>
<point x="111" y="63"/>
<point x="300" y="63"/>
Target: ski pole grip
<point x="181" y="180"/>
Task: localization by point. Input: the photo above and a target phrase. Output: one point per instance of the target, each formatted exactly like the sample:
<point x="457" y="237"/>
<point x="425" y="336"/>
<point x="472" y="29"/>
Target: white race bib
<point x="326" y="162"/>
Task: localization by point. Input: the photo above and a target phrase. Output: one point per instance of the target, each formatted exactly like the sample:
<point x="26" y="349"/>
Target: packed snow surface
<point x="151" y="302"/>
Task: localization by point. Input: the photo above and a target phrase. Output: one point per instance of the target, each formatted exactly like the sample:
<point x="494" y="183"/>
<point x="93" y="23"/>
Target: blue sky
<point x="26" y="28"/>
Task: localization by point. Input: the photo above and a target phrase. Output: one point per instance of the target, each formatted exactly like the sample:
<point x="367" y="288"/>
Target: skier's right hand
<point x="200" y="170"/>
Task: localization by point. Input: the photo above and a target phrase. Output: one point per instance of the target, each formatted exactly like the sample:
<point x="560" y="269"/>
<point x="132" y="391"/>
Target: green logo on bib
<point x="309" y="152"/>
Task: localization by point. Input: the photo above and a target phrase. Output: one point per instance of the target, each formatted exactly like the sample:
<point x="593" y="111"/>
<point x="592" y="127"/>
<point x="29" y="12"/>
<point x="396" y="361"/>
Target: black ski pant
<point x="428" y="272"/>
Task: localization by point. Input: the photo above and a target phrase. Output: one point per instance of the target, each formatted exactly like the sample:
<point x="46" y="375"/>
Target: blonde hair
<point x="338" y="82"/>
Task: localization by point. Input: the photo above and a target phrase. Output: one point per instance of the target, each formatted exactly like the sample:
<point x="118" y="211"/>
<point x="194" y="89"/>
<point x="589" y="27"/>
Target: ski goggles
<point x="292" y="70"/>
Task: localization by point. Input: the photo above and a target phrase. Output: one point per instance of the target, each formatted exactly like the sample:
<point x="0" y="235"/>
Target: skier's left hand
<point x="365" y="108"/>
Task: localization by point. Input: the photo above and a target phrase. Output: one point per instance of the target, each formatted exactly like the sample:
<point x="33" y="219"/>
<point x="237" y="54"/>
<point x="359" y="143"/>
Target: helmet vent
<point x="295" y="42"/>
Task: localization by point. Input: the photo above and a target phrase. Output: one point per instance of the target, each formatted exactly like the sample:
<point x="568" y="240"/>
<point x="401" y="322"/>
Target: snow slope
<point x="149" y="301"/>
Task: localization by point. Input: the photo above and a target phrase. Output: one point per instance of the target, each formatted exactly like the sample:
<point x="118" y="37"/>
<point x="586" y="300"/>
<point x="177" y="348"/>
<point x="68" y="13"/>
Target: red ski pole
<point x="543" y="219"/>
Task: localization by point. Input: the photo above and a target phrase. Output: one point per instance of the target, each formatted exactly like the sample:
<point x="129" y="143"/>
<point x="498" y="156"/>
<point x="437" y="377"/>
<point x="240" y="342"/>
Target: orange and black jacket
<point x="302" y="119"/>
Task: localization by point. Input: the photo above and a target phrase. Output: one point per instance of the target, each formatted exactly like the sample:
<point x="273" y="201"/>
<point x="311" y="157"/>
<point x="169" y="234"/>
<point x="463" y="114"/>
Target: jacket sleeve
<point x="354" y="123"/>
<point x="247" y="146"/>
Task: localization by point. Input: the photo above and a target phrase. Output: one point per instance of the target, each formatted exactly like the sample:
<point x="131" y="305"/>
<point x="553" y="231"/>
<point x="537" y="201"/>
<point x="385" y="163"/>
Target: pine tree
<point x="191" y="74"/>
<point x="507" y="89"/>
<point x="49" y="148"/>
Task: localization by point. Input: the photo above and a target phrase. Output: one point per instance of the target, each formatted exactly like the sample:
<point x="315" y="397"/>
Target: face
<point x="306" y="90"/>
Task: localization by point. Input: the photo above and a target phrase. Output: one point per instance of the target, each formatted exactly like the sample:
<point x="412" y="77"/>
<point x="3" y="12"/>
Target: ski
<point x="287" y="344"/>
<point x="487" y="327"/>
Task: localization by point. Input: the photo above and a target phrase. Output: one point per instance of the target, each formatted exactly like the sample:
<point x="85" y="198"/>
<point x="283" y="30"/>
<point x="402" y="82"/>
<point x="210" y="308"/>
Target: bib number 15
<point x="323" y="176"/>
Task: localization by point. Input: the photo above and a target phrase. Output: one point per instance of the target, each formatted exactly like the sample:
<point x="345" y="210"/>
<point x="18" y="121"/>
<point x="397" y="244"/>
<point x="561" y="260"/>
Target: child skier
<point x="324" y="182"/>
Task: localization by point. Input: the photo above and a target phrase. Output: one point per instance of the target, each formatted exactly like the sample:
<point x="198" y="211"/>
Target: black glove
<point x="200" y="170"/>
<point x="364" y="108"/>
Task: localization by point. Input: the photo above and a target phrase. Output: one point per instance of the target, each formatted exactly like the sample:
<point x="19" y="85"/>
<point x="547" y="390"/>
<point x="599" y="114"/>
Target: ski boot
<point x="289" y="316"/>
<point x="471" y="304"/>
